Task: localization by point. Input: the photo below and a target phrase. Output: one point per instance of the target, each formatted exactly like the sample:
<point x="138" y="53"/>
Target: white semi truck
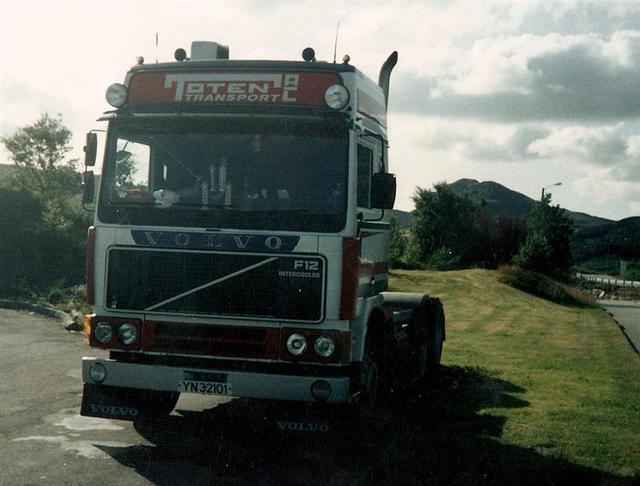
<point x="240" y="240"/>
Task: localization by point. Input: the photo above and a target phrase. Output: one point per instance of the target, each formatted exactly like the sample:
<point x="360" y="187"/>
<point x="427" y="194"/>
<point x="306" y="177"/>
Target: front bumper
<point x="244" y="384"/>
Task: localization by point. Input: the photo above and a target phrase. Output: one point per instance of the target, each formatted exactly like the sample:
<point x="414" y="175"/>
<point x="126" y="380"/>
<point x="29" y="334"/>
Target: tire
<point x="373" y="382"/>
<point x="424" y="353"/>
<point x="431" y="336"/>
<point x="370" y="382"/>
<point x="436" y="337"/>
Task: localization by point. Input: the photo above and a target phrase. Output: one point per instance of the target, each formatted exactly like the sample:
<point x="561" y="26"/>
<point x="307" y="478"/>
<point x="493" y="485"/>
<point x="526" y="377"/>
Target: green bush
<point x="546" y="249"/>
<point x="55" y="296"/>
<point x="534" y="254"/>
<point x="542" y="286"/>
<point x="443" y="259"/>
<point x="35" y="255"/>
<point x="633" y="271"/>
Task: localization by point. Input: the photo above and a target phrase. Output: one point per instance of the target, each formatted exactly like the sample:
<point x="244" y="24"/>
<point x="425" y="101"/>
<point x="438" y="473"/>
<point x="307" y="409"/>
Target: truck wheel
<point x="423" y="355"/>
<point x="436" y="331"/>
<point x="370" y="380"/>
<point x="430" y="342"/>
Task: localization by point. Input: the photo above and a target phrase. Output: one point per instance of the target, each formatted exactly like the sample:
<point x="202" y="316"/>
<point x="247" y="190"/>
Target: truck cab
<point x="240" y="239"/>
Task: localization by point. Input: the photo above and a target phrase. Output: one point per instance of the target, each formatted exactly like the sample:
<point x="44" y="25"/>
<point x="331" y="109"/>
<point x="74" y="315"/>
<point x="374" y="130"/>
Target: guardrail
<point x="616" y="282"/>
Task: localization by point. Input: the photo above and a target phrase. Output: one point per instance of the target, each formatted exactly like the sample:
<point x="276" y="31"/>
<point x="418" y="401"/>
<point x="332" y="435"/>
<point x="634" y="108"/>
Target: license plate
<point x="204" y="387"/>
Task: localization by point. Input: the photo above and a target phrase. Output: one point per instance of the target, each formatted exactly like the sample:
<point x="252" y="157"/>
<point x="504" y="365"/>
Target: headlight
<point x="324" y="346"/>
<point x="296" y="344"/>
<point x="103" y="332"/>
<point x="116" y="95"/>
<point x="336" y="96"/>
<point x="127" y="333"/>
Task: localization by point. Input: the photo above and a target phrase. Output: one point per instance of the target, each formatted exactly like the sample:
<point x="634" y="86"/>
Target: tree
<point x="633" y="271"/>
<point x="397" y="243"/>
<point x="546" y="248"/>
<point x="508" y="233"/>
<point x="446" y="227"/>
<point x="20" y="242"/>
<point x="33" y="253"/>
<point x="42" y="224"/>
<point x="39" y="151"/>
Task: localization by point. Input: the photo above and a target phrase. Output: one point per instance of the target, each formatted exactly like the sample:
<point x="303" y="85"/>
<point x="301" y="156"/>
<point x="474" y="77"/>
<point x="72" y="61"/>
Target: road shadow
<point x="256" y="442"/>
<point x="428" y="435"/>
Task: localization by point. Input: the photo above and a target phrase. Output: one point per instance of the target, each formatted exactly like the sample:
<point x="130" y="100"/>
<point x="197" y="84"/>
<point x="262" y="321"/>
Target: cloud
<point x="603" y="185"/>
<point x="535" y="78"/>
<point x="502" y="143"/>
<point x="606" y="146"/>
<point x="581" y="148"/>
<point x="479" y="141"/>
<point x="579" y="17"/>
<point x="629" y="171"/>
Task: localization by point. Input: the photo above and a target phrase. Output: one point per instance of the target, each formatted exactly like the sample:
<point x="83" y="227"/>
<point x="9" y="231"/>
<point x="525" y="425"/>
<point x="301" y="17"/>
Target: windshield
<point x="232" y="174"/>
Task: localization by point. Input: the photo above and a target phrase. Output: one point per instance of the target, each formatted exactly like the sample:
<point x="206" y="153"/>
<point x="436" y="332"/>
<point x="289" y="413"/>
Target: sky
<point x="526" y="94"/>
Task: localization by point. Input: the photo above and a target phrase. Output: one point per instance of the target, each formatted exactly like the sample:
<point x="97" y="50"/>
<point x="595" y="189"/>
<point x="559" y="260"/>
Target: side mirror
<point x="383" y="190"/>
<point x="88" y="187"/>
<point x="90" y="149"/>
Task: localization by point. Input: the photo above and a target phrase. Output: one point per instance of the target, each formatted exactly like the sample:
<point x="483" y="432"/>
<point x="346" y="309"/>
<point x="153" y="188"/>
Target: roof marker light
<point x="308" y="54"/>
<point x="116" y="95"/>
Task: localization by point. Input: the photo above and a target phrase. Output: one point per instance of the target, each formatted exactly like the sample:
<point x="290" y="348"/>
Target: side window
<point x="132" y="168"/>
<point x="365" y="166"/>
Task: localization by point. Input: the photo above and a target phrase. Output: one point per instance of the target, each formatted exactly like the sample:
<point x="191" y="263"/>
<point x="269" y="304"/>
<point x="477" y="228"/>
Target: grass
<point x="531" y="392"/>
<point x="544" y="286"/>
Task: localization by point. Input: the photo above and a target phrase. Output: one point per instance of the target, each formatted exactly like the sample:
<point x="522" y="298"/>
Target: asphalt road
<point x="628" y="316"/>
<point x="44" y="440"/>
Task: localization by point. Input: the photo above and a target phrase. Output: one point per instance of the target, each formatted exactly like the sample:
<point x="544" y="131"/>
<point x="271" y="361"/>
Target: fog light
<point x="336" y="96"/>
<point x="296" y="344"/>
<point x="116" y="95"/>
<point x="321" y="390"/>
<point x="98" y="372"/>
<point x="324" y="346"/>
<point x="103" y="332"/>
<point x="127" y="333"/>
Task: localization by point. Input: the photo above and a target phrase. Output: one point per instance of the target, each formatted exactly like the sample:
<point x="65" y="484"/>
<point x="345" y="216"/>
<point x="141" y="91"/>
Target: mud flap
<point x="109" y="402"/>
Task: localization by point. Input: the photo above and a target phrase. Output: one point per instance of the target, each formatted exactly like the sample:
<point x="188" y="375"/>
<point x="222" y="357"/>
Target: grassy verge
<point x="532" y="392"/>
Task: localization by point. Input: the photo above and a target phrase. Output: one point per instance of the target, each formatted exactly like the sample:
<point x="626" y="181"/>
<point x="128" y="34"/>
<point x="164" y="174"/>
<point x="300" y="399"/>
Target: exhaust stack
<point x="385" y="75"/>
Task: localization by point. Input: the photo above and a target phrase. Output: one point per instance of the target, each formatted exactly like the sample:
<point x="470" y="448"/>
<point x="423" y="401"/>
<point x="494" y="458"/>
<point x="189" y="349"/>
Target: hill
<point x="498" y="199"/>
<point x="495" y="198"/>
<point x="597" y="245"/>
<point x="403" y="218"/>
<point x="599" y="248"/>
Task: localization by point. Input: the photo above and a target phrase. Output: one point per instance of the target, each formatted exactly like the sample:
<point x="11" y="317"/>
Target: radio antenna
<point x="156" y="47"/>
<point x="335" y="45"/>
